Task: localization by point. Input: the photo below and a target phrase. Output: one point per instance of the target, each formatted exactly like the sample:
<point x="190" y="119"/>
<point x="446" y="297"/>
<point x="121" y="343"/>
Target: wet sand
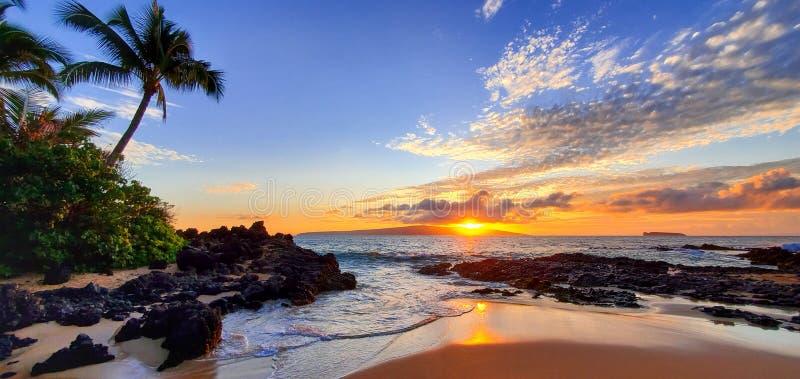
<point x="512" y="341"/>
<point x="559" y="359"/>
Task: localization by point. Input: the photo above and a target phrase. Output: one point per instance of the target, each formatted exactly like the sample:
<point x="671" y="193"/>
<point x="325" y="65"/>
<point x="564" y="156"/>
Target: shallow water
<point x="391" y="297"/>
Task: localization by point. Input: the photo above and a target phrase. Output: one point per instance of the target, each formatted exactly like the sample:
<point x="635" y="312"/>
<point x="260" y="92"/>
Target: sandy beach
<point x="512" y="341"/>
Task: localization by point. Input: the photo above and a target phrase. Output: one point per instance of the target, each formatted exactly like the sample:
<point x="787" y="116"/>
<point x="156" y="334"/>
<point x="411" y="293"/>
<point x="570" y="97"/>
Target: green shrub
<point x="62" y="203"/>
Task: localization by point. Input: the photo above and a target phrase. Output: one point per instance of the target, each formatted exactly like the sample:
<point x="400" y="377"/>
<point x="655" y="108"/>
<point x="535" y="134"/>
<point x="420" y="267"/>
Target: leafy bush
<point x="63" y="203"/>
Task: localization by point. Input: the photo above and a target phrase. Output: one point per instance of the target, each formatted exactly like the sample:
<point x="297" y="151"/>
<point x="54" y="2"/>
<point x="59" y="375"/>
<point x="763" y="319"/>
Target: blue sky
<point x="322" y="95"/>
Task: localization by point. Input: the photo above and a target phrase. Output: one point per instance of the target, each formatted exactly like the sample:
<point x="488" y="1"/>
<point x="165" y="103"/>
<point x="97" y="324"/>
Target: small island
<point x="663" y="234"/>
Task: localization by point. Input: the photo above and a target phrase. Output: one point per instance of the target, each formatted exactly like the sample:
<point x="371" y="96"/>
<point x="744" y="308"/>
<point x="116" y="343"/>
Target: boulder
<point x="18" y="308"/>
<point x="191" y="328"/>
<point x="775" y="256"/>
<point x="158" y="264"/>
<point x="58" y="273"/>
<point x="194" y="258"/>
<point x="439" y="269"/>
<point x="10" y="342"/>
<point x="81" y="352"/>
<point x="148" y="288"/>
<point x="130" y="331"/>
<point x="753" y="318"/>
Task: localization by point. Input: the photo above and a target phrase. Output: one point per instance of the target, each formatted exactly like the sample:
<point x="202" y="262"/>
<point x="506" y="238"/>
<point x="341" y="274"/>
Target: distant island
<point x="418" y="230"/>
<point x="661" y="234"/>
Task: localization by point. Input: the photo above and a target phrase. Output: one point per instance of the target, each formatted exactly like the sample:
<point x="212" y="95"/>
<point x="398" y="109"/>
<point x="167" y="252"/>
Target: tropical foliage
<point x="64" y="203"/>
<point x="60" y="200"/>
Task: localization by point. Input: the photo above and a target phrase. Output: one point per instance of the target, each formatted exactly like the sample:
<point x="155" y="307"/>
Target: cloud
<point x="481" y="206"/>
<point x="734" y="77"/>
<point x="489" y="8"/>
<point x="141" y="153"/>
<point x="773" y="190"/>
<point x="532" y="64"/>
<point x="231" y="188"/>
<point x="124" y="108"/>
<point x="130" y="93"/>
<point x="555" y="5"/>
<point x="425" y="125"/>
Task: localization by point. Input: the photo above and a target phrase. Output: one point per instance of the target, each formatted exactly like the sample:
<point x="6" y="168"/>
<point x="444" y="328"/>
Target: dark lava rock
<point x="81" y="352"/>
<point x="753" y="318"/>
<point x="707" y="246"/>
<point x="10" y="342"/>
<point x="722" y="284"/>
<point x="191" y="329"/>
<point x="504" y="292"/>
<point x="158" y="264"/>
<point x="229" y="304"/>
<point x="18" y="308"/>
<point x="58" y="273"/>
<point x="80" y="306"/>
<point x="440" y="269"/>
<point x="795" y="319"/>
<point x="148" y="288"/>
<point x="7" y="374"/>
<point x="594" y="296"/>
<point x="774" y="256"/>
<point x="194" y="258"/>
<point x="130" y="331"/>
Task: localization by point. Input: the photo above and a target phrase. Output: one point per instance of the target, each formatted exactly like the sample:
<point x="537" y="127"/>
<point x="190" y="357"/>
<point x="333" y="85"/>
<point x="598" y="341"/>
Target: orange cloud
<point x="773" y="190"/>
<point x="231" y="188"/>
<point x="480" y="207"/>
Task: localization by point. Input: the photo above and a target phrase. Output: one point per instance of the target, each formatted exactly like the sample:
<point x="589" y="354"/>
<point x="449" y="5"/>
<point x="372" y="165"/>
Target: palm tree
<point x="28" y="120"/>
<point x="26" y="59"/>
<point x="152" y="53"/>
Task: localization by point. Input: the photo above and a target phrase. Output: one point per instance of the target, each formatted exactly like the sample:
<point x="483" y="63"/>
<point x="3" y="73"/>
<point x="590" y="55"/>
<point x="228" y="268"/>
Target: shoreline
<point x="537" y="341"/>
<point x="493" y="334"/>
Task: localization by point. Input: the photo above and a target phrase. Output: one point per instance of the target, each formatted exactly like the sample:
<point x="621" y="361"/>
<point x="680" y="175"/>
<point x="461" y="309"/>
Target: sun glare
<point x="470" y="225"/>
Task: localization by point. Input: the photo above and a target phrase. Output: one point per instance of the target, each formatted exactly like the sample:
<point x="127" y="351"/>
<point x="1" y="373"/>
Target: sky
<point x="543" y="117"/>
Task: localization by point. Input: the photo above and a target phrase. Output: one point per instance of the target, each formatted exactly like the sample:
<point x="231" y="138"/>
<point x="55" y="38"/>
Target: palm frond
<point x="96" y="72"/>
<point x="78" y="17"/>
<point x="189" y="74"/>
<point x="121" y="19"/>
<point x="6" y="4"/>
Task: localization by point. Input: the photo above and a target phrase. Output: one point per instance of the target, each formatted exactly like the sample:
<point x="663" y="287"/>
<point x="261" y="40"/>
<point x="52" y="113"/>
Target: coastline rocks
<point x="503" y="292"/>
<point x="439" y="269"/>
<point x="753" y="318"/>
<point x="707" y="246"/>
<point x="191" y="329"/>
<point x="10" y="342"/>
<point x="18" y="308"/>
<point x="81" y="352"/>
<point x="734" y="285"/>
<point x="774" y="256"/>
<point x="81" y="306"/>
<point x="58" y="273"/>
<point x="594" y="296"/>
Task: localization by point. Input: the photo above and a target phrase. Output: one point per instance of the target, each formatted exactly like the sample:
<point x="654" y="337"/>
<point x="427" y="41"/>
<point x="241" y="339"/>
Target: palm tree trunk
<point x="137" y="118"/>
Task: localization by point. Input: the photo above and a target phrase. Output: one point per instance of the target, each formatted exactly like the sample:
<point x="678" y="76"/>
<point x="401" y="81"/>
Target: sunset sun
<point x="470" y="225"/>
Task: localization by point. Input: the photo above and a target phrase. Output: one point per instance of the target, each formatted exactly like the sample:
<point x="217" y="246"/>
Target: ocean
<point x="343" y="330"/>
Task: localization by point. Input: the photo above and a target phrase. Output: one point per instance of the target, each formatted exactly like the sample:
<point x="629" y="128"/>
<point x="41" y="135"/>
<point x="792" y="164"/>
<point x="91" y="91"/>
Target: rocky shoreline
<point x="247" y="264"/>
<point x="602" y="281"/>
